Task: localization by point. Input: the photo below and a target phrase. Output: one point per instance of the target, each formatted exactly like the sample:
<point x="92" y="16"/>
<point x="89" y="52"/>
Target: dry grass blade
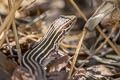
<point x="79" y="11"/>
<point x="109" y="41"/>
<point x="17" y="43"/>
<point x="76" y="52"/>
<point x="81" y="40"/>
<point x="16" y="36"/>
<point x="11" y="52"/>
<point x="106" y="40"/>
<point x="8" y="20"/>
<point x="31" y="37"/>
<point x="67" y="45"/>
<point x="21" y="9"/>
<point x="8" y="43"/>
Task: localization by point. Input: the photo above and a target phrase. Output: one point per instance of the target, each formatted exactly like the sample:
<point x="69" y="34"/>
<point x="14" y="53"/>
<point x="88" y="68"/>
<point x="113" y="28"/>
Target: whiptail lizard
<point x="33" y="59"/>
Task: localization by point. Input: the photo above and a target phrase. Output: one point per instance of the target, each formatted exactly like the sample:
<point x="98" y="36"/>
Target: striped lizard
<point x="33" y="58"/>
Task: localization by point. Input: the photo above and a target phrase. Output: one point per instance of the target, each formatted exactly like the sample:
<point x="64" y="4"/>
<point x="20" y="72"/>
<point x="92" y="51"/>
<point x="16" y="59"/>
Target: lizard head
<point x="60" y="27"/>
<point x="64" y="23"/>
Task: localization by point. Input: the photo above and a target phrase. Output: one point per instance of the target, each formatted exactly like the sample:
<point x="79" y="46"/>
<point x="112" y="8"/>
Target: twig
<point x="17" y="42"/>
<point x="106" y="40"/>
<point x="78" y="10"/>
<point x="8" y="20"/>
<point x="116" y="37"/>
<point x="11" y="52"/>
<point x="76" y="52"/>
<point x="16" y="36"/>
<point x="31" y="37"/>
<point x="21" y="9"/>
<point x="107" y="61"/>
<point x="67" y="45"/>
<point x="109" y="41"/>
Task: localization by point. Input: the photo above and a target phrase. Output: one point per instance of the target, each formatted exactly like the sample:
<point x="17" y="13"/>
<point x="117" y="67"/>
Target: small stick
<point x="17" y="42"/>
<point x="21" y="9"/>
<point x="11" y="52"/>
<point x="76" y="52"/>
<point x="8" y="20"/>
<point x="16" y="36"/>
